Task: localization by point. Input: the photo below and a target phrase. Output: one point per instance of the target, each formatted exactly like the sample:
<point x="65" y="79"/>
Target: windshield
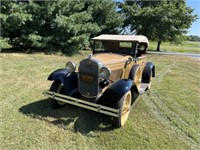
<point x="114" y="46"/>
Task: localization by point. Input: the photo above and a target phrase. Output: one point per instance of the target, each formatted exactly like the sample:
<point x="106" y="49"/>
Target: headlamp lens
<point x="70" y="66"/>
<point x="105" y="73"/>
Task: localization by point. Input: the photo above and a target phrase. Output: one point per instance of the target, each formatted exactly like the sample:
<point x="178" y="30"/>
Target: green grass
<point x="166" y="117"/>
<point x="185" y="47"/>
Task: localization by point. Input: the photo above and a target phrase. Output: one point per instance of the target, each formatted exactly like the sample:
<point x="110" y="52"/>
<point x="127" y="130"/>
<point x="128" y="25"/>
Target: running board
<point x="143" y="87"/>
<point x="83" y="104"/>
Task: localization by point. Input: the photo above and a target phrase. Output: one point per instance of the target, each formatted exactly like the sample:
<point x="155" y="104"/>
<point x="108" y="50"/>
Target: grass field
<point x="166" y="117"/>
<point x="185" y="47"/>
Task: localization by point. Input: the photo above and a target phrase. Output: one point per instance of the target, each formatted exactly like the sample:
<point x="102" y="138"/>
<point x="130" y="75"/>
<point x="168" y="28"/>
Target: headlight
<point x="105" y="73"/>
<point x="70" y="66"/>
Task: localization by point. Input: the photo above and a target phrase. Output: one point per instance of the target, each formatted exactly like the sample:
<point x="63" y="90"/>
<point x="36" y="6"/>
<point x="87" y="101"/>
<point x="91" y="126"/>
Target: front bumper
<point x="83" y="104"/>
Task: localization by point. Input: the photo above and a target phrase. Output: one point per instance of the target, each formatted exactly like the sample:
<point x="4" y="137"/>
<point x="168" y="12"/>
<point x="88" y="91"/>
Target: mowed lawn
<point x="186" y="47"/>
<point x="166" y="117"/>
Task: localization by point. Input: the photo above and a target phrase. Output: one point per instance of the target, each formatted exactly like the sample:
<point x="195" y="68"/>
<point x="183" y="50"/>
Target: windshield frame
<point x="133" y="49"/>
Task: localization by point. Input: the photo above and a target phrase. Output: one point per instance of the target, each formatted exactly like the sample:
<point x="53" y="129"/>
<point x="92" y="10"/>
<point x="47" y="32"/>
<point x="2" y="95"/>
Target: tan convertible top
<point x="127" y="38"/>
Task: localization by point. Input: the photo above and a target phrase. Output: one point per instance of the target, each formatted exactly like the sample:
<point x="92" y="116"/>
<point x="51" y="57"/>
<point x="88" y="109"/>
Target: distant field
<point x="185" y="47"/>
<point x="166" y="117"/>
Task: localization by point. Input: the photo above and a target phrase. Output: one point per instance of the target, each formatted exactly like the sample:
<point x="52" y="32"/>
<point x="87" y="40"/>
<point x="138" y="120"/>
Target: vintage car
<point x="109" y="80"/>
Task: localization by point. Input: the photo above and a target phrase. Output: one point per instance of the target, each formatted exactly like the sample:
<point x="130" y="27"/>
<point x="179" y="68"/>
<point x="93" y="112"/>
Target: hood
<point x="110" y="59"/>
<point x="115" y="62"/>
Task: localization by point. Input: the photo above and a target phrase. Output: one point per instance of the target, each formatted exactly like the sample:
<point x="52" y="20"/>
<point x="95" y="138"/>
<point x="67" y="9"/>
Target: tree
<point x="105" y="15"/>
<point x="158" y="20"/>
<point x="57" y="25"/>
<point x="13" y="18"/>
<point x="194" y="38"/>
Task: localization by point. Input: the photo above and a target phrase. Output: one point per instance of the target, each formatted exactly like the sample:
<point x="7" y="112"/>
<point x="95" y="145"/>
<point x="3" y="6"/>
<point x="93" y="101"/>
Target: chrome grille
<point x="88" y="81"/>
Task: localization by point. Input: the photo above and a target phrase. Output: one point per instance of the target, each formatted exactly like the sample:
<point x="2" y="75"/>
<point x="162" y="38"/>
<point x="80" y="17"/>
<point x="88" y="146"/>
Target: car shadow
<point x="68" y="116"/>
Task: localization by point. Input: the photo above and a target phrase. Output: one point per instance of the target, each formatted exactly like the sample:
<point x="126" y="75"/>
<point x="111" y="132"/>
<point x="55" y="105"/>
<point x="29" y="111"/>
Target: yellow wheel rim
<point x="126" y="108"/>
<point x="137" y="79"/>
<point x="149" y="86"/>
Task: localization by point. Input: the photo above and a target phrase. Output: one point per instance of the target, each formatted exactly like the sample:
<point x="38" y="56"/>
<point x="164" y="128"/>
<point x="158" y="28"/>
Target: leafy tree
<point x="13" y="18"/>
<point x="72" y="26"/>
<point x="158" y="20"/>
<point x="105" y="14"/>
<point x="57" y="25"/>
<point x="26" y="23"/>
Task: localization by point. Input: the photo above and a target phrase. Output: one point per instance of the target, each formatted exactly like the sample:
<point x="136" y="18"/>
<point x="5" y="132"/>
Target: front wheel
<point x="57" y="87"/>
<point x="123" y="105"/>
<point x="135" y="75"/>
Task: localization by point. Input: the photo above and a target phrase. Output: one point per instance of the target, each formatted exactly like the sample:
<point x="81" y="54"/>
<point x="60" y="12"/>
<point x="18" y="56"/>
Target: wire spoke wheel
<point x="150" y="81"/>
<point x="123" y="105"/>
<point x="126" y="108"/>
<point x="149" y="86"/>
<point x="57" y="87"/>
<point x="135" y="75"/>
<point x="137" y="78"/>
<point x="60" y="90"/>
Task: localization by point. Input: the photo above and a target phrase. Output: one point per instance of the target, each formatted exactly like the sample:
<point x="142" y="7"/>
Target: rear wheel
<point x="150" y="80"/>
<point x="123" y="105"/>
<point x="57" y="87"/>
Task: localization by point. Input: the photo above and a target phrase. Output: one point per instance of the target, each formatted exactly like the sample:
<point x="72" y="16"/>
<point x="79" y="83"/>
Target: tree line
<point x="193" y="38"/>
<point x="67" y="26"/>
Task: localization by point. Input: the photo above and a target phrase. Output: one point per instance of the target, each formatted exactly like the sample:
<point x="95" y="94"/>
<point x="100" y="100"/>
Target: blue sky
<point x="195" y="28"/>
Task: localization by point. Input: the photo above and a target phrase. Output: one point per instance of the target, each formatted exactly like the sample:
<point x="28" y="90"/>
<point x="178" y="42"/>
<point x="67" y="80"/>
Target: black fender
<point x="115" y="92"/>
<point x="58" y="74"/>
<point x="149" y="70"/>
<point x="70" y="81"/>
